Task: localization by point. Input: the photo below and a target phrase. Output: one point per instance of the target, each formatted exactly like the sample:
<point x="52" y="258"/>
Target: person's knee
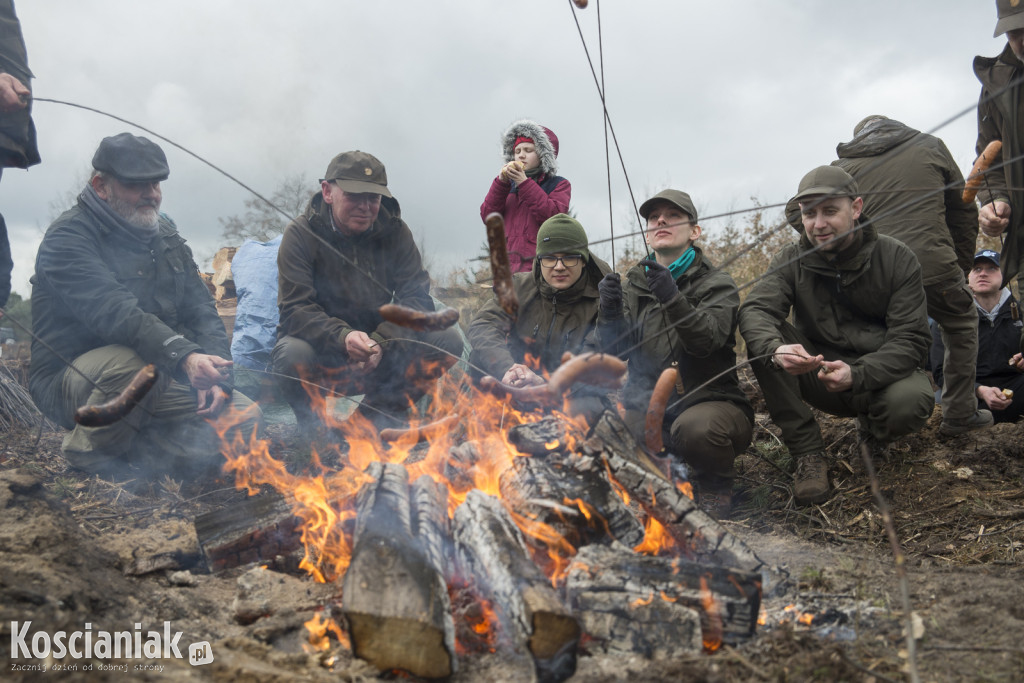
<point x="291" y="354"/>
<point x="710" y="435"/>
<point x="909" y="403"/>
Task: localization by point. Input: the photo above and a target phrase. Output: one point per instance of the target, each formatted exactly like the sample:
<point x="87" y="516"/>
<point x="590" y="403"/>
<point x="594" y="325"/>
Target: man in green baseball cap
<point x="347" y="255"/>
<point x="859" y="336"/>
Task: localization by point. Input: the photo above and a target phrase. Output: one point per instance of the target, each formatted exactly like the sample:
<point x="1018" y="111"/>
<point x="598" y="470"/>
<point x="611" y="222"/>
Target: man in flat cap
<point x="859" y="337"/>
<point x="348" y="254"/>
<point x="1000" y="112"/>
<point x="676" y="309"/>
<point x="115" y="289"/>
<point x="913" y="191"/>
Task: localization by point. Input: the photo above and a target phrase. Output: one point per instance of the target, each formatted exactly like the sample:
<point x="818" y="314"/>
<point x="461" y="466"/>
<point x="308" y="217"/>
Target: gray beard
<point x="138" y="217"/>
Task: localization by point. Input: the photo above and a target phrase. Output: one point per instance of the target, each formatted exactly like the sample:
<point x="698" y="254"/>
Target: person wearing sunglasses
<point x="558" y="303"/>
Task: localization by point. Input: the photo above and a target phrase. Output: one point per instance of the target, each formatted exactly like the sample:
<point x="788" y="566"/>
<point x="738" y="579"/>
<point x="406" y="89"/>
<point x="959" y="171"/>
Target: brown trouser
<point x="162" y="434"/>
<point x="406" y="371"/>
<point x="707" y="436"/>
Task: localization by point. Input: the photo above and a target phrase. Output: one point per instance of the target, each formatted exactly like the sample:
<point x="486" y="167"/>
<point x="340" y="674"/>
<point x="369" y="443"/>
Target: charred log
<point x="493" y="558"/>
<point x="572" y="494"/>
<point x="639" y="603"/>
<point x="395" y="596"/>
<point x="256" y="529"/>
<point x="693" y="529"/>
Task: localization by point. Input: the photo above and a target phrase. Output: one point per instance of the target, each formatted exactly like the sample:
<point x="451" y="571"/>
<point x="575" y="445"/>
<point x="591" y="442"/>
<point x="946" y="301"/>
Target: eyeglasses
<point x="568" y="260"/>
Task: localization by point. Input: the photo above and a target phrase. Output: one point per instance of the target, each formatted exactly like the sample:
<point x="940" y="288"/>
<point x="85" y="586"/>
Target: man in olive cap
<point x="115" y="289"/>
<point x="677" y="309"/>
<point x="859" y="336"/>
<point x="1000" y="112"/>
<point x="348" y="254"/>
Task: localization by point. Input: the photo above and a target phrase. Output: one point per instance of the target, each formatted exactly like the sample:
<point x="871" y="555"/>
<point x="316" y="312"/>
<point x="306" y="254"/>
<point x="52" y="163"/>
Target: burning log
<point x="661" y="499"/>
<point x="493" y="556"/>
<point x="257" y="528"/>
<point x="571" y="494"/>
<point x="395" y="595"/>
<point x="540" y="437"/>
<point x="638" y="603"/>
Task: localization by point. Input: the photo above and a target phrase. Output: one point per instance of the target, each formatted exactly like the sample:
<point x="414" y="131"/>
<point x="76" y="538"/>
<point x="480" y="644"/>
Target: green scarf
<point x="679" y="266"/>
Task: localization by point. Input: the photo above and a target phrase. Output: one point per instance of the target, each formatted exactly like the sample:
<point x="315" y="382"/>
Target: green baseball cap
<point x="826" y="180"/>
<point x="680" y="199"/>
<point x="358" y="172"/>
<point x="1011" y="16"/>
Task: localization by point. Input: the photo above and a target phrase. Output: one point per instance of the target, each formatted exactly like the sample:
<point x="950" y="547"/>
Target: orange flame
<point x="642" y="602"/>
<point x="318" y="640"/>
<point x="656" y="539"/>
<point x="712" y="631"/>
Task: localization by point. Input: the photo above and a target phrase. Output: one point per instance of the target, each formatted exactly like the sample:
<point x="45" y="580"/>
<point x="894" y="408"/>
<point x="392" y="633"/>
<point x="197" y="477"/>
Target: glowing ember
<point x="713" y="626"/>
<point x="318" y="640"/>
<point x="642" y="602"/>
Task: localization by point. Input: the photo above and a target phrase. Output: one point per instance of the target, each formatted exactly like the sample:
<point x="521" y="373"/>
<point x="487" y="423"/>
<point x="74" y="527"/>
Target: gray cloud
<point x="725" y="100"/>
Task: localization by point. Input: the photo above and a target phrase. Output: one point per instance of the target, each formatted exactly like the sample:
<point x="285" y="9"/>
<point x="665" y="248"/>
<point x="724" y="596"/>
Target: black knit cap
<point x="131" y="159"/>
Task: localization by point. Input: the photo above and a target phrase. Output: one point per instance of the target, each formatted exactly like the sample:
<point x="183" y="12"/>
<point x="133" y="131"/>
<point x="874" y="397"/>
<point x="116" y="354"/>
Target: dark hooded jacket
<point x="524" y="207"/>
<point x="330" y="284"/>
<point x="1001" y="117"/>
<point x="95" y="286"/>
<point x="550" y="321"/>
<point x="701" y="338"/>
<point x="867" y="303"/>
<point x="912" y="189"/>
<point x="999" y="338"/>
<point x="17" y="132"/>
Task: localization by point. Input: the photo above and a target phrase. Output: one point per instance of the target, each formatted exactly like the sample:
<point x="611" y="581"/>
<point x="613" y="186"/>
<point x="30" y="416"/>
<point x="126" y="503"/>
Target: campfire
<point x="485" y="528"/>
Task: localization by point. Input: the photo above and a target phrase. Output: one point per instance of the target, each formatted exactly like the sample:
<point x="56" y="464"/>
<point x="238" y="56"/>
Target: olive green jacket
<point x="913" y="191"/>
<point x="696" y="329"/>
<point x="330" y="284"/>
<point x="1001" y="117"/>
<point x="550" y="322"/>
<point x="868" y="302"/>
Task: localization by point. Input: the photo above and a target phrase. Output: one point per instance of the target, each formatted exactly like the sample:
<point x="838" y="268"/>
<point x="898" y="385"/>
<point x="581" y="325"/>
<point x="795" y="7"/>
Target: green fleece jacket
<point x="330" y="284"/>
<point x="696" y="329"/>
<point x="550" y="321"/>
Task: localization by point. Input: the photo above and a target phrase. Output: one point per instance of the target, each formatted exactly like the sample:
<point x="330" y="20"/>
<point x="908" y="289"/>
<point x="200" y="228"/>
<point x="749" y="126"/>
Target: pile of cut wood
<point x="410" y="560"/>
<point x="222" y="286"/>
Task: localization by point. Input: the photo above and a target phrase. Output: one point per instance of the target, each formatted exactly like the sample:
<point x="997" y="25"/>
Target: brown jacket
<point x="330" y="284"/>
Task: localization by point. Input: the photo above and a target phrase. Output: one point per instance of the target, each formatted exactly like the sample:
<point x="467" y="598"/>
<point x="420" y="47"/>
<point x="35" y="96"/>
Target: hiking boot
<point x="952" y="427"/>
<point x="714" y="496"/>
<point x="810" y="483"/>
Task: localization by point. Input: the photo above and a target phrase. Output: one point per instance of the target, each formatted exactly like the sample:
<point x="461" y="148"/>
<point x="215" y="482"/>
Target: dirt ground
<point x="69" y="545"/>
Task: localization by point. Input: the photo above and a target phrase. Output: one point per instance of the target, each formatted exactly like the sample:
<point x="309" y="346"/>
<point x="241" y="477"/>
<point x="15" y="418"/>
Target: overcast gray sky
<point x="726" y="100"/>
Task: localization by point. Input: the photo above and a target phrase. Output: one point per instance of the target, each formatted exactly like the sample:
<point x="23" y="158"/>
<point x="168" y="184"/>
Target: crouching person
<point x="676" y="309"/>
<point x="348" y="254"/>
<point x="115" y="289"/>
<point x="558" y="304"/>
<point x="859" y="336"/>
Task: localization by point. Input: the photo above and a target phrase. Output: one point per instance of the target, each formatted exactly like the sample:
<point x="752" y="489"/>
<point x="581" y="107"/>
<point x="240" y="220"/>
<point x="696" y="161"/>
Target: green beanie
<point x="562" y="234"/>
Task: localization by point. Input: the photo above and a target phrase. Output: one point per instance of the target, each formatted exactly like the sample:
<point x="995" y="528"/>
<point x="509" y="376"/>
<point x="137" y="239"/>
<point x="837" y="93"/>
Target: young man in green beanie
<point x="558" y="303"/>
<point x="677" y="309"/>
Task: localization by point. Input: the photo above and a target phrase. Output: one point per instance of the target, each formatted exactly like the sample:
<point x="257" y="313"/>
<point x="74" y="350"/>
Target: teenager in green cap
<point x="677" y="309"/>
<point x="558" y="303"/>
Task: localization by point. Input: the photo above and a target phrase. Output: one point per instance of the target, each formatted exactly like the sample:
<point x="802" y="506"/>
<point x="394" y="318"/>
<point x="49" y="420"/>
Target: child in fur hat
<point x="526" y="191"/>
